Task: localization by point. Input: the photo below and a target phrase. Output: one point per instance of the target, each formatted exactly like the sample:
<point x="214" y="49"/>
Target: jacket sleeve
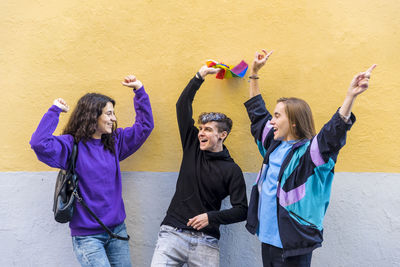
<point x="260" y="119"/>
<point x="49" y="149"/>
<point x="184" y="112"/>
<point x="332" y="137"/>
<point x="132" y="138"/>
<point x="238" y="199"/>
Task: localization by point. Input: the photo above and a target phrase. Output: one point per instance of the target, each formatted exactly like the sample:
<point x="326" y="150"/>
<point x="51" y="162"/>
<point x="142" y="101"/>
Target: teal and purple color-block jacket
<point x="304" y="181"/>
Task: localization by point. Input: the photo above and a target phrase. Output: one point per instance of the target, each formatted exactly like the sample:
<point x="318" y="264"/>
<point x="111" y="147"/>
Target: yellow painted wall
<point x="51" y="49"/>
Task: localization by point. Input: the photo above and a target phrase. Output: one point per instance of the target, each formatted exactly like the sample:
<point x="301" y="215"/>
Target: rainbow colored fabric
<point x="226" y="71"/>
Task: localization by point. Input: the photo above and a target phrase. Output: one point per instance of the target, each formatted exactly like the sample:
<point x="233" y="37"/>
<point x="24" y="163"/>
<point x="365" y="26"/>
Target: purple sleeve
<point x="131" y="138"/>
<point x="51" y="150"/>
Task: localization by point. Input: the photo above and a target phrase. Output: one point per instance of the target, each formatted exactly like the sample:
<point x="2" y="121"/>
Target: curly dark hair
<point x="83" y="121"/>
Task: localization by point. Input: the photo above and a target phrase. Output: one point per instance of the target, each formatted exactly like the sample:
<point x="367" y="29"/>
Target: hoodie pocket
<point x="302" y="220"/>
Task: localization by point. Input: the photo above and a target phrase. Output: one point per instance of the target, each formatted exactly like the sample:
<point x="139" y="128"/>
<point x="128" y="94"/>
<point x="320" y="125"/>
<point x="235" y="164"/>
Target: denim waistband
<point x="186" y="231"/>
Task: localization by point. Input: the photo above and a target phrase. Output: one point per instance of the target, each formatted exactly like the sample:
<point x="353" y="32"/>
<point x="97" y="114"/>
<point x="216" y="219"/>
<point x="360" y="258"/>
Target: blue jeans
<point x="176" y="247"/>
<point x="100" y="250"/>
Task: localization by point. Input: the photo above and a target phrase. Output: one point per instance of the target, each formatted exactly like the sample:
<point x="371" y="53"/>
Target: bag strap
<point x="108" y="230"/>
<point x="73" y="157"/>
<point x="80" y="199"/>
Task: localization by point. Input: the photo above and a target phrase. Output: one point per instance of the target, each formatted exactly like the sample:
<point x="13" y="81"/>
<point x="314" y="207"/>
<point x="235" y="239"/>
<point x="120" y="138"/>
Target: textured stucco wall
<point x="52" y="49"/>
<point x="362" y="225"/>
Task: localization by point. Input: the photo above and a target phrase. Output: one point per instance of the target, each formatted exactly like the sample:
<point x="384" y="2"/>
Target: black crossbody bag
<point x="65" y="193"/>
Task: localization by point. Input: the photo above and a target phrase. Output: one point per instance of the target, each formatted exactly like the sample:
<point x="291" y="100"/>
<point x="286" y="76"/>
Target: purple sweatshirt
<point x="97" y="168"/>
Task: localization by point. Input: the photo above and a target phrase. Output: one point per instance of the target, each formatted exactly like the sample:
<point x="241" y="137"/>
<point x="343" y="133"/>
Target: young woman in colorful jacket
<point x="291" y="194"/>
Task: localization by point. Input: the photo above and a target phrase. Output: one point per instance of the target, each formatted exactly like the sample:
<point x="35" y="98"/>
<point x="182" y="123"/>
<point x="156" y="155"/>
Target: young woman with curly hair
<point x="101" y="146"/>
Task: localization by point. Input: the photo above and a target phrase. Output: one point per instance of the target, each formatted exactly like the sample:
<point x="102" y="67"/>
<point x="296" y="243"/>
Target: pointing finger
<point x="368" y="72"/>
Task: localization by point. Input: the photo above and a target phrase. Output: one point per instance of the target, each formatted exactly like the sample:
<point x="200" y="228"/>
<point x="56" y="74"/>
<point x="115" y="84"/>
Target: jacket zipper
<point x="284" y="164"/>
<point x="283" y="167"/>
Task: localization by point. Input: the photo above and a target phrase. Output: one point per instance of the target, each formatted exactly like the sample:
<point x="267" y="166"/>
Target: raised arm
<point x="258" y="63"/>
<point x="332" y="137"/>
<point x="358" y="85"/>
<point x="256" y="109"/>
<point x="131" y="138"/>
<point x="52" y="150"/>
<point x="184" y="110"/>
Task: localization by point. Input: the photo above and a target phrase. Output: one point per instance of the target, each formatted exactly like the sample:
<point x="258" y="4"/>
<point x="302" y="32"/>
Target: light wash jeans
<point x="176" y="247"/>
<point x="100" y="250"/>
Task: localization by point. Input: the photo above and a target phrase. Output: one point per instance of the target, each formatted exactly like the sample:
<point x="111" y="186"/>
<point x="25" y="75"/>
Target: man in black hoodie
<point x="189" y="232"/>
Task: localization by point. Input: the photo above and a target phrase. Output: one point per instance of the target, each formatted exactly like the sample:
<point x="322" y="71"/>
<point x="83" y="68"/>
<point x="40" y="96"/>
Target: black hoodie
<point x="205" y="178"/>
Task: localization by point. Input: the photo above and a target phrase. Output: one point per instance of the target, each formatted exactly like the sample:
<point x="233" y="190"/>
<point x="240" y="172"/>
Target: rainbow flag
<point x="226" y="71"/>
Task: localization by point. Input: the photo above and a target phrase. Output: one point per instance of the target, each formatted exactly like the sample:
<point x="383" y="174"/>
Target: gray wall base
<point x="362" y="225"/>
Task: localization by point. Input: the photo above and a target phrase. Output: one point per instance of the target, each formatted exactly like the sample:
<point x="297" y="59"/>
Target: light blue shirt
<point x="268" y="231"/>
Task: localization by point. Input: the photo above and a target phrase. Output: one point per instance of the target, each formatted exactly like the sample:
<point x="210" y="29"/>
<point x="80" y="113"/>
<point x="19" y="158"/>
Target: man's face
<point x="210" y="138"/>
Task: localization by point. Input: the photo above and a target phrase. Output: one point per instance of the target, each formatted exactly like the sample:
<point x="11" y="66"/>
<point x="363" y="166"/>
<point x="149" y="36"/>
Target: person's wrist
<point x="56" y="105"/>
<point x="254" y="77"/>
<point x="351" y="96"/>
<point x="201" y="74"/>
<point x="137" y="87"/>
